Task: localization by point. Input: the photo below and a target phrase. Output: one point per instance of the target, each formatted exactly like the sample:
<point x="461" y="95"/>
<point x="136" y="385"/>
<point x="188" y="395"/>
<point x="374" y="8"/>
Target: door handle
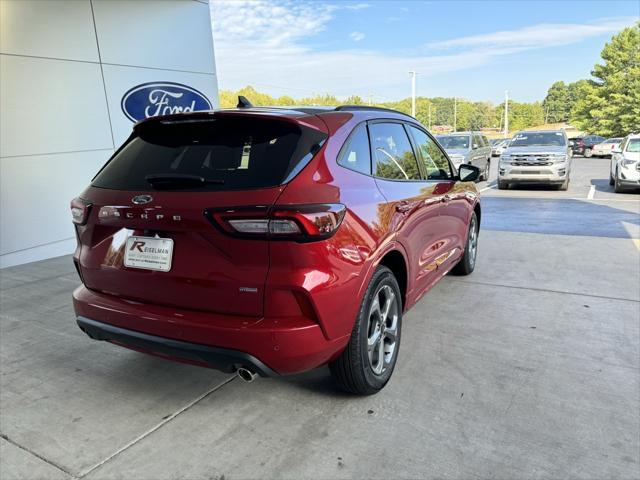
<point x="403" y="207"/>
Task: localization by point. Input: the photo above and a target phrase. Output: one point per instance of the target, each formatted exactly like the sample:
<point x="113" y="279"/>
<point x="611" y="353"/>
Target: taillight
<point x="301" y="223"/>
<point x="80" y="211"/>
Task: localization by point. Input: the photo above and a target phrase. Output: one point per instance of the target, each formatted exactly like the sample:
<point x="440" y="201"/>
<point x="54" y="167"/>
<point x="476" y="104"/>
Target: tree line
<point x="607" y="104"/>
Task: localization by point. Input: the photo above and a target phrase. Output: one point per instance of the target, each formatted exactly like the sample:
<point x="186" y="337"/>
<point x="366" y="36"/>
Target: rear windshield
<point x="454" y="142"/>
<point x="536" y="139"/>
<point x="220" y="153"/>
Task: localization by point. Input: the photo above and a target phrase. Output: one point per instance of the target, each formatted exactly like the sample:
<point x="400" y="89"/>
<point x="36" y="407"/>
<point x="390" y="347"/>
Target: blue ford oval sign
<point x="162" y="98"/>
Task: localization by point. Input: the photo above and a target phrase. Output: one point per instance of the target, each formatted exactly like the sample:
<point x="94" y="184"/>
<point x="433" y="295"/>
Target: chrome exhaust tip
<point x="246" y="374"/>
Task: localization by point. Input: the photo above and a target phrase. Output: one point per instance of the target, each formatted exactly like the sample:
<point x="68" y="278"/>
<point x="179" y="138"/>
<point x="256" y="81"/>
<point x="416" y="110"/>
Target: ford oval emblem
<point x="162" y="98"/>
<point x="141" y="199"/>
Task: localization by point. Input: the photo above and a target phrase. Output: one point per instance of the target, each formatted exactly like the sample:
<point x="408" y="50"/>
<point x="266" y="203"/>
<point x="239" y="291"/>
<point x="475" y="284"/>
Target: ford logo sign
<point x="162" y="98"/>
<point x="141" y="199"/>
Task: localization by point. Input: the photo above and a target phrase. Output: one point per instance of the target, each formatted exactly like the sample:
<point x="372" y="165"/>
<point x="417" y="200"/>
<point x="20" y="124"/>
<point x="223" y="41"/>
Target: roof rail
<point x="347" y="108"/>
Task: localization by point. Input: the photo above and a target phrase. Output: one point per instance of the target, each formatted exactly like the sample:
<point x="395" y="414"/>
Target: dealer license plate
<point x="149" y="253"/>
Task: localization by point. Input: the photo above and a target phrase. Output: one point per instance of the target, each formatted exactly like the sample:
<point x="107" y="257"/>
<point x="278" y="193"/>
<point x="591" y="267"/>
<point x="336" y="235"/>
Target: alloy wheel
<point x="382" y="329"/>
<point x="473" y="241"/>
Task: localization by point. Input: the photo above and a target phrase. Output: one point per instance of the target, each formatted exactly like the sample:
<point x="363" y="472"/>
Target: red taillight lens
<point x="79" y="211"/>
<point x="301" y="223"/>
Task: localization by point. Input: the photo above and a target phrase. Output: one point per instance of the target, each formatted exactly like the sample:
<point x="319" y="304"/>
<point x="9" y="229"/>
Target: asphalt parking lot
<point x="529" y="368"/>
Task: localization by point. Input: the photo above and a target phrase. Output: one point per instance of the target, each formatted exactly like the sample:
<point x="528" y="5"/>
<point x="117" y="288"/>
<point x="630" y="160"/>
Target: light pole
<point x="413" y="93"/>
<point x="429" y="114"/>
<point x="455" y="114"/>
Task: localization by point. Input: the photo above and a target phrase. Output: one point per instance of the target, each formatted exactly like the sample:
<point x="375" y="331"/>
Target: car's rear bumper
<point x="267" y="345"/>
<point x="223" y="359"/>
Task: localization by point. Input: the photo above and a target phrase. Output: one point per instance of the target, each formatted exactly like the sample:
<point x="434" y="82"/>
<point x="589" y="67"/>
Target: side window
<point x="485" y="141"/>
<point x="477" y="142"/>
<point x="435" y="162"/>
<point x="355" y="153"/>
<point x="392" y="152"/>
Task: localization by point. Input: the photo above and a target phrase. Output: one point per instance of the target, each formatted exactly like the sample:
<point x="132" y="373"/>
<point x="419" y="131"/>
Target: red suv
<point x="269" y="241"/>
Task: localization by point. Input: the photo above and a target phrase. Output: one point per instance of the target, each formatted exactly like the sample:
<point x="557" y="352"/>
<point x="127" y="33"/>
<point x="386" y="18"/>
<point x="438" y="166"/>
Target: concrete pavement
<point x="529" y="368"/>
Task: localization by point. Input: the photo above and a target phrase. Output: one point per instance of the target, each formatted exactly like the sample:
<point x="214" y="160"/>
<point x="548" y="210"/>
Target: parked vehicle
<point x="625" y="164"/>
<point x="536" y="157"/>
<point x="471" y="148"/>
<point x="269" y="241"/>
<point x="605" y="148"/>
<point x="498" y="146"/>
<point x="584" y="145"/>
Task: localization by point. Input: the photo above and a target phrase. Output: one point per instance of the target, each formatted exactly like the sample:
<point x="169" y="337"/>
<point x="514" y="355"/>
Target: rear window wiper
<point x="178" y="180"/>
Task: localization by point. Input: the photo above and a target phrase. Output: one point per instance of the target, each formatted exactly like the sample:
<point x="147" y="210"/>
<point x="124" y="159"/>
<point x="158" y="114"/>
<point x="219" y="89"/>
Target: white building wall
<point x="64" y="68"/>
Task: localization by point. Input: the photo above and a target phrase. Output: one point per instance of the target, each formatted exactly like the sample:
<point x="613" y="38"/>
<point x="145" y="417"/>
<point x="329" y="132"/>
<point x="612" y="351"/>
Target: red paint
<point x="290" y="304"/>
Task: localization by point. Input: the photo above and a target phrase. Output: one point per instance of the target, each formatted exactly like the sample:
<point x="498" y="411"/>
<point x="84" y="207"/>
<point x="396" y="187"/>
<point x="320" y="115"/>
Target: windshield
<point x="212" y="154"/>
<point x="454" y="142"/>
<point x="538" y="139"/>
<point x="633" y="145"/>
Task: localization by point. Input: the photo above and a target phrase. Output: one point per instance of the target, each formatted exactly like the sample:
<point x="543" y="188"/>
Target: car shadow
<point x="559" y="217"/>
<point x="602" y="185"/>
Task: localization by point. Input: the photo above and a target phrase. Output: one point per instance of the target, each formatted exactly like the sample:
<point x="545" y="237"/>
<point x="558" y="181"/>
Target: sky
<point x="469" y="49"/>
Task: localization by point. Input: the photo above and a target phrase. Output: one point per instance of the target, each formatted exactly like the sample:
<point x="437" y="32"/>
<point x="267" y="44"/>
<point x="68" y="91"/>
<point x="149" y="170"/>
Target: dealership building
<point x="74" y="77"/>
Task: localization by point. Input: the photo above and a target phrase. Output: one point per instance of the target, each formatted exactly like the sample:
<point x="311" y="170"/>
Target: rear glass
<point x="225" y="153"/>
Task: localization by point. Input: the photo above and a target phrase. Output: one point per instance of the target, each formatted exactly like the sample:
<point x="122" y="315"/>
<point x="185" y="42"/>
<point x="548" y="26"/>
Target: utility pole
<point x="413" y="93"/>
<point x="455" y="114"/>
<point x="370" y="99"/>
<point x="506" y="113"/>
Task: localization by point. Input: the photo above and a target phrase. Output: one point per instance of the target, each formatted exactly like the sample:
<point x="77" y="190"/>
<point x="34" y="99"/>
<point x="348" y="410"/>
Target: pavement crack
<point x="164" y="421"/>
<point x="37" y="455"/>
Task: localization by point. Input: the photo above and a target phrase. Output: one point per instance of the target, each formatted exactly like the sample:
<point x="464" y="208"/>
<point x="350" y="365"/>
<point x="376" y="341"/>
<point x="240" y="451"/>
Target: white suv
<point x="536" y="157"/>
<point x="625" y="164"/>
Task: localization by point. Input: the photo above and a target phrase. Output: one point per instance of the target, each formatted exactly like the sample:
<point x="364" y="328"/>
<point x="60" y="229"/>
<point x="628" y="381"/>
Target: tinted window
<point x="356" y="154"/>
<point x="226" y="153"/>
<point x="392" y="152"/>
<point x="434" y="160"/>
<point x="530" y="139"/>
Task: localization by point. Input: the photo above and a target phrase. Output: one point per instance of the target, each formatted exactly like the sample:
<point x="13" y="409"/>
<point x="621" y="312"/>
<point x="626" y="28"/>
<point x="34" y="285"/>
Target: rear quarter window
<point x="228" y="153"/>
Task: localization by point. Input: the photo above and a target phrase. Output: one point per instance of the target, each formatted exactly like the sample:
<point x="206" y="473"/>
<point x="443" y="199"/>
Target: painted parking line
<point x="592" y="192"/>
<point x="636" y="242"/>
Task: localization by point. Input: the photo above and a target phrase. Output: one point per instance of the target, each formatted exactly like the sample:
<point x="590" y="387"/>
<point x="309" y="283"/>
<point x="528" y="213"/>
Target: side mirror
<point x="475" y="146"/>
<point x="468" y="173"/>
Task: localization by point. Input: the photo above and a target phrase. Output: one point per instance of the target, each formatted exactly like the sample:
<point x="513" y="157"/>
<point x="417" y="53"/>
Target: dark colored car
<point x="584" y="145"/>
<point x="269" y="241"/>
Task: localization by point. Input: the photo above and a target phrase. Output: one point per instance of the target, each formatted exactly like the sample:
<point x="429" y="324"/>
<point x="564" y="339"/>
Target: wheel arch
<point x="395" y="261"/>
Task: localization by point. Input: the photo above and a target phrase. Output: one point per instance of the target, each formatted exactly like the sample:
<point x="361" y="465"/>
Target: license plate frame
<point x="149" y="253"/>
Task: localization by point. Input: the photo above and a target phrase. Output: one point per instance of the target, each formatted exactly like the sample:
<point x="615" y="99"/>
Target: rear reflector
<point x="301" y="223"/>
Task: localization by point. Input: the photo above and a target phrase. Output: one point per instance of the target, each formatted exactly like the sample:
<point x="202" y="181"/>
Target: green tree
<point x="609" y="103"/>
<point x="557" y="104"/>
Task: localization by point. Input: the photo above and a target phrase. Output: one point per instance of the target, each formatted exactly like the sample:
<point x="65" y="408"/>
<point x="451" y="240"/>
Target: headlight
<point x="627" y="162"/>
<point x="505" y="158"/>
<point x="559" y="158"/>
<point x="457" y="159"/>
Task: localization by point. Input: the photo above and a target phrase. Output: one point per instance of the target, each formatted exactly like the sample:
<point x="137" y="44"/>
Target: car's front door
<point x="412" y="202"/>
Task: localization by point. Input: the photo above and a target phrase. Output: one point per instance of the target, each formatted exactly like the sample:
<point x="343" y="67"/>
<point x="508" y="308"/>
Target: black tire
<point x="611" y="180"/>
<point x="353" y="370"/>
<point x="588" y="153"/>
<point x="564" y="186"/>
<point x="616" y="183"/>
<point x="467" y="263"/>
<point x="503" y="185"/>
<point x="485" y="173"/>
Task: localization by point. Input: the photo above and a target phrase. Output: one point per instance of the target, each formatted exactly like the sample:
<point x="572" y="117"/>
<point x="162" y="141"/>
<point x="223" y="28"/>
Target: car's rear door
<point x="412" y="202"/>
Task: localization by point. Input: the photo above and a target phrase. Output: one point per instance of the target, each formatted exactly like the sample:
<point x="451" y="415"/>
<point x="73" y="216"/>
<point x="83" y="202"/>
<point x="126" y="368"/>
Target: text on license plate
<point x="149" y="253"/>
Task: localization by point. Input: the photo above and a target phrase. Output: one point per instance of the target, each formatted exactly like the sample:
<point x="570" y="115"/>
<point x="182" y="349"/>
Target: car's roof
<point x="633" y="135"/>
<point x="295" y="113"/>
